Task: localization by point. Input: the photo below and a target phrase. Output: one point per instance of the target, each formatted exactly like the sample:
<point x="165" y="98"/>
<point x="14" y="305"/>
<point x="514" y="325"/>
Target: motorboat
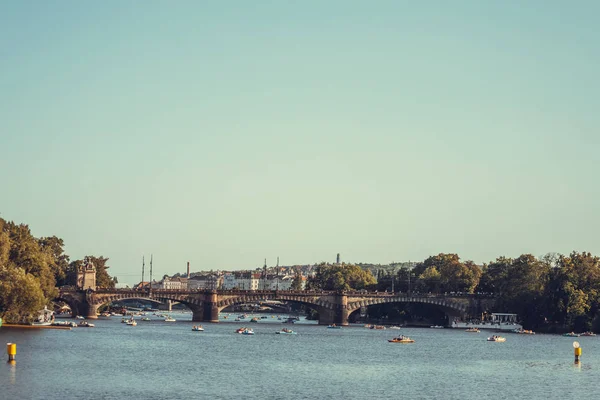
<point x="197" y="328"/>
<point x="588" y="333"/>
<point x="334" y="326"/>
<point x="394" y="327"/>
<point x="168" y="318"/>
<point x="378" y="327"/>
<point x="496" y="339"/>
<point x="131" y="322"/>
<point x="401" y="339"/>
<point x="522" y="331"/>
<point x="70" y="324"/>
<point x="571" y="334"/>
<point x="245" y="331"/>
<point x="286" y="331"/>
<point x="146" y="319"/>
<point x="436" y="327"/>
<point x="85" y="324"/>
<point x="473" y="329"/>
<point x="80" y="317"/>
<point x="255" y="319"/>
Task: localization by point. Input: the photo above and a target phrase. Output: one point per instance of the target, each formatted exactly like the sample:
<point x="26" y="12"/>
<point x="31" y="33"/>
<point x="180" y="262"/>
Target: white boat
<point x="198" y="328"/>
<point x="65" y="323"/>
<point x="286" y="331"/>
<point x="436" y="327"/>
<point x="80" y="317"/>
<point x="85" y="324"/>
<point x="45" y="318"/>
<point x="169" y="319"/>
<point x="497" y="321"/>
<point x="496" y="339"/>
<point x="131" y="322"/>
<point x="394" y="327"/>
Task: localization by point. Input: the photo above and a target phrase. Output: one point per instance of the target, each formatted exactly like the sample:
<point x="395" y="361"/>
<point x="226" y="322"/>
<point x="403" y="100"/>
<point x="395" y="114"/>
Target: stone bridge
<point x="333" y="307"/>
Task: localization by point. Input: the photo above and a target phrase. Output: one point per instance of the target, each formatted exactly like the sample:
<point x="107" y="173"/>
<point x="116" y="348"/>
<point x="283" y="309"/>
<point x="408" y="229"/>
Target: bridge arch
<point x="450" y="307"/>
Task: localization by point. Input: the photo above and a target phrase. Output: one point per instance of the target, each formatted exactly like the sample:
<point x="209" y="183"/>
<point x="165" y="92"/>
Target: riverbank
<point x="35" y="326"/>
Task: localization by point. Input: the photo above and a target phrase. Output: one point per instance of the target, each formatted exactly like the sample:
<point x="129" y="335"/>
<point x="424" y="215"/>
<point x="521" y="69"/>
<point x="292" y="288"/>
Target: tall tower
<point x="338" y="258"/>
<point x="86" y="275"/>
<point x="188" y="270"/>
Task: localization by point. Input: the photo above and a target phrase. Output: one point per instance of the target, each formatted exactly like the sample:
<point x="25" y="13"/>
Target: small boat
<point x="168" y="318"/>
<point x="378" y="327"/>
<point x="255" y="319"/>
<point x="85" y="324"/>
<point x="588" y="333"/>
<point x="474" y="330"/>
<point x="146" y="319"/>
<point x="245" y="331"/>
<point x="394" y="327"/>
<point x="65" y="323"/>
<point x="131" y="322"/>
<point x="571" y="334"/>
<point x="401" y="339"/>
<point x="198" y="328"/>
<point x="522" y="331"/>
<point x="334" y="326"/>
<point x="436" y="327"/>
<point x="496" y="339"/>
<point x="286" y="331"/>
<point x="80" y="317"/>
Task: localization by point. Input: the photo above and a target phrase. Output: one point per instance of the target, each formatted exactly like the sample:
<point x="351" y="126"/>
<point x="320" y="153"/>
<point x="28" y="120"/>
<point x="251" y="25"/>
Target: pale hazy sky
<point x="226" y="132"/>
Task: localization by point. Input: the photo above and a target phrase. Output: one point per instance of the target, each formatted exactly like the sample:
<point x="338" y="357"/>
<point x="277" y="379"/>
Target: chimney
<point x="188" y="269"/>
<point x="338" y="258"/>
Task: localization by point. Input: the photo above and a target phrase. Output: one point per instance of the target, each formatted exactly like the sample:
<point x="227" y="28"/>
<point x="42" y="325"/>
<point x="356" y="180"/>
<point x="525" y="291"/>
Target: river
<point x="160" y="360"/>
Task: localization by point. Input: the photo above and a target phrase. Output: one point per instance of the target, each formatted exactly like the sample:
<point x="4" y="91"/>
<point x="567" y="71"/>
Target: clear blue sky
<point x="226" y="132"/>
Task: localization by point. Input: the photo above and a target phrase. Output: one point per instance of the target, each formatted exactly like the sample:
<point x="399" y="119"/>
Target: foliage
<point x="20" y="294"/>
<point x="446" y="273"/>
<point x="340" y="277"/>
<point x="297" y="281"/>
<point x="31" y="269"/>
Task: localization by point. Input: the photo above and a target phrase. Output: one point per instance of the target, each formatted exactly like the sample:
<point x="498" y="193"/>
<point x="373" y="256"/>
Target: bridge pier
<point x="338" y="314"/>
<point x="211" y="308"/>
<point x="91" y="311"/>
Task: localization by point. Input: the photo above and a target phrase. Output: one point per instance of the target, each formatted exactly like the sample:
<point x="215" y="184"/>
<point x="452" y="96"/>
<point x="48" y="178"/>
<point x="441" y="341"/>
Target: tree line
<point x="551" y="293"/>
<point x="31" y="268"/>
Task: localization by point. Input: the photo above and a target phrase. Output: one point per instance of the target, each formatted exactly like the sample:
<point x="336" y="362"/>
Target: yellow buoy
<point x="577" y="351"/>
<point x="11" y="350"/>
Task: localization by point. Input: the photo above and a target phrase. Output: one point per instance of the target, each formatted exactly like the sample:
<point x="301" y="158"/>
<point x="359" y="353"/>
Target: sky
<point x="224" y="133"/>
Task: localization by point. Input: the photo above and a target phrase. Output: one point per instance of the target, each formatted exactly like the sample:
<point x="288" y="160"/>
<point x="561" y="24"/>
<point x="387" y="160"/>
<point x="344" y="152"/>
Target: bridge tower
<point x="86" y="275"/>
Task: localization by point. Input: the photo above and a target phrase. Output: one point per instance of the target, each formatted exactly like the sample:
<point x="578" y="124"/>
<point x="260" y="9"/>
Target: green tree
<point x="341" y="277"/>
<point x="297" y="281"/>
<point x="454" y="275"/>
<point x="20" y="295"/>
<point x="59" y="261"/>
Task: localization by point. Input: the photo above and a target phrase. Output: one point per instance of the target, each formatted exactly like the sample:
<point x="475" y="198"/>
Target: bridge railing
<point x="145" y="291"/>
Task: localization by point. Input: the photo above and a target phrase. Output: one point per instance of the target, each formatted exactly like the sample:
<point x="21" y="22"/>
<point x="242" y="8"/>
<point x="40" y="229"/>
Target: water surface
<point x="160" y="360"/>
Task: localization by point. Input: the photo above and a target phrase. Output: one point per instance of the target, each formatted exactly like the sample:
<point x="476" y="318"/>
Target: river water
<point x="160" y="360"/>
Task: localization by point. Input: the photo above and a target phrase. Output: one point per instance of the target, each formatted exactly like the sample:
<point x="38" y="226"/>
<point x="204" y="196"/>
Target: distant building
<point x="203" y="282"/>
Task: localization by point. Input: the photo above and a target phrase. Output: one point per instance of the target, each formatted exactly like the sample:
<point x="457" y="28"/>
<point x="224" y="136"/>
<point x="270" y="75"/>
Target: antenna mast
<point x="150" y="271"/>
<point x="143" y="264"/>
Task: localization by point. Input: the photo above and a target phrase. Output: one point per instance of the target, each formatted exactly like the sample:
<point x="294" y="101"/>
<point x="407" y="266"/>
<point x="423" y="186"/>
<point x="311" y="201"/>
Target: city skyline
<point x="221" y="133"/>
